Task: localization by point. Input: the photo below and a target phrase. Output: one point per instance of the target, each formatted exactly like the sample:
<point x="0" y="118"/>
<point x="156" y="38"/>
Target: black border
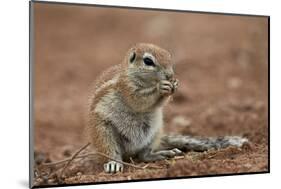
<point x="268" y="90"/>
<point x="31" y="50"/>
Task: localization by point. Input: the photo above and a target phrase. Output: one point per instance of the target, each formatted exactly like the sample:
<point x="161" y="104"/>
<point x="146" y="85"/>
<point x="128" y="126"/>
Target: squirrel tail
<point x="199" y="144"/>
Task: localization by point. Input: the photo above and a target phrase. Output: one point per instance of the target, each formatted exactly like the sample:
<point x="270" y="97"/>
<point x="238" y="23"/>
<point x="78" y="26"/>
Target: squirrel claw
<point x="113" y="167"/>
<point x="168" y="87"/>
<point x="165" y="87"/>
<point x="175" y="83"/>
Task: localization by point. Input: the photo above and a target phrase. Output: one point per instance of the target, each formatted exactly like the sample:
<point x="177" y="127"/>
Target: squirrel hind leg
<point x="188" y="143"/>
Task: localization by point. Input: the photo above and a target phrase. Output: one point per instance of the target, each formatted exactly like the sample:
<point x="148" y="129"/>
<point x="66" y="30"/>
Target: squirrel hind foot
<point x="151" y="156"/>
<point x="113" y="167"/>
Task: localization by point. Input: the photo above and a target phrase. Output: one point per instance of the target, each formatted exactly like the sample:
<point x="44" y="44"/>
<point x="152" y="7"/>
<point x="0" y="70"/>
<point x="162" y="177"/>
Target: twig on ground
<point x="76" y="156"/>
<point x="119" y="161"/>
<point x="132" y="161"/>
<point x="72" y="158"/>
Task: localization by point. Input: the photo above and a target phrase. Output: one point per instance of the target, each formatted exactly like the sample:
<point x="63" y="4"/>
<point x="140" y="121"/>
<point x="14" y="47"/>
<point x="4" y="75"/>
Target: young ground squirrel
<point x="125" y="112"/>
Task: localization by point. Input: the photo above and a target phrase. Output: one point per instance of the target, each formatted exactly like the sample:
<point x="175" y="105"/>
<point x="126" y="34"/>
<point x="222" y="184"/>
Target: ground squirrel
<point x="125" y="111"/>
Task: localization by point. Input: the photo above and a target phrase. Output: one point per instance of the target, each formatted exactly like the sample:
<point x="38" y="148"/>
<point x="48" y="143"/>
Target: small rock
<point x="51" y="181"/>
<point x="67" y="151"/>
<point x="181" y="121"/>
<point x="39" y="180"/>
<point x="248" y="165"/>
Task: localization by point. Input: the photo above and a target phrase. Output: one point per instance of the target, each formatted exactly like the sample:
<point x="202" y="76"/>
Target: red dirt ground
<point x="221" y="63"/>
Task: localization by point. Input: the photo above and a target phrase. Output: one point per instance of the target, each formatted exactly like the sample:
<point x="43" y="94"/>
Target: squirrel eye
<point x="132" y="57"/>
<point x="148" y="62"/>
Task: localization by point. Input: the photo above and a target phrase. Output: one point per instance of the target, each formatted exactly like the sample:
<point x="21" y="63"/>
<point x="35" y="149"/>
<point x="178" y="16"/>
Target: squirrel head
<point x="148" y="62"/>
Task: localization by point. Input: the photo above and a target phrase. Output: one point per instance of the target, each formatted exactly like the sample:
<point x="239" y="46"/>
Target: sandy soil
<point x="221" y="63"/>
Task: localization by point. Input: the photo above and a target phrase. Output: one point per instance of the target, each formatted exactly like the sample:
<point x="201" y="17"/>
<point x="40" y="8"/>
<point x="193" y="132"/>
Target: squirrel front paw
<point x="113" y="167"/>
<point x="168" y="87"/>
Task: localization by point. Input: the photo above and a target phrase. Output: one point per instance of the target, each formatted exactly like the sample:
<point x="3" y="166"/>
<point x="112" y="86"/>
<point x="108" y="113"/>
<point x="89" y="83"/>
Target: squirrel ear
<point x="132" y="57"/>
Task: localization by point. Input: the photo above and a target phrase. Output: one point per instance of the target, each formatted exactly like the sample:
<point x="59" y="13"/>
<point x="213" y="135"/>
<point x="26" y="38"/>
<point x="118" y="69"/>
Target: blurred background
<point x="221" y="63"/>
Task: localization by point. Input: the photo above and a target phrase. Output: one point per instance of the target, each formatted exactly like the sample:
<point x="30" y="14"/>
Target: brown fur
<point x="98" y="133"/>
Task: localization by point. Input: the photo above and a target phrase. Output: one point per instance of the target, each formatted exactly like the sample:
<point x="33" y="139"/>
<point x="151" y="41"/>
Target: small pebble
<point x="248" y="165"/>
<point x="67" y="150"/>
<point x="181" y="121"/>
<point x="67" y="153"/>
<point x="51" y="181"/>
<point x="39" y="180"/>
